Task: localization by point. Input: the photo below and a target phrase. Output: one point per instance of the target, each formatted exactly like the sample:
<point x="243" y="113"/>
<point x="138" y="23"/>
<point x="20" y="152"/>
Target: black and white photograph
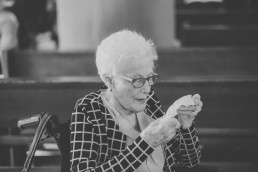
<point x="128" y="85"/>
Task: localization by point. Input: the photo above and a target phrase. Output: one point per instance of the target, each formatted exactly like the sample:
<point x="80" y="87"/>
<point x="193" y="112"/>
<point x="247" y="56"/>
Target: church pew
<point x="216" y="16"/>
<point x="46" y="64"/>
<point x="213" y="16"/>
<point x="228" y="103"/>
<point x="178" y="62"/>
<point x="219" y="35"/>
<point x="227" y="125"/>
<point x="217" y="144"/>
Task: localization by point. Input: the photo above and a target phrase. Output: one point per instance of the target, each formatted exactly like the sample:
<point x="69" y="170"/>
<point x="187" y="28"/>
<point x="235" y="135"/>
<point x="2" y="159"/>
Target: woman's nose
<point x="146" y="87"/>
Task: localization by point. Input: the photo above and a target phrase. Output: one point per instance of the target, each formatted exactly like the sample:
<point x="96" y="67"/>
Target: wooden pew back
<point x="179" y="62"/>
<point x="227" y="103"/>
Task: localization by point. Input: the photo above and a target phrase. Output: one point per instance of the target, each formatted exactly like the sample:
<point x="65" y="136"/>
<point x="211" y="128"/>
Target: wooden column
<point x="82" y="24"/>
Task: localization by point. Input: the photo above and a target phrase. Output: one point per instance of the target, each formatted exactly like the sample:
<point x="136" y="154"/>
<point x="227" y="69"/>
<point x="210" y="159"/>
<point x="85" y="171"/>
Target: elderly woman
<point x="121" y="127"/>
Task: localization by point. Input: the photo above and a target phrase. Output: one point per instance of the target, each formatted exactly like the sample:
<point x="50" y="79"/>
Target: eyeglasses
<point x="139" y="82"/>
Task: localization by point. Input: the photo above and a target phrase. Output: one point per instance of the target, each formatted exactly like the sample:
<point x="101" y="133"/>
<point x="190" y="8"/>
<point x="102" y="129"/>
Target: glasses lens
<point x="139" y="82"/>
<point x="152" y="79"/>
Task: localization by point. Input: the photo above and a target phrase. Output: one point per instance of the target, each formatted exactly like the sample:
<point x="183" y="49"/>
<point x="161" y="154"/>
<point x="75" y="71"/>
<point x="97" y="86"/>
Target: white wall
<point x="82" y="24"/>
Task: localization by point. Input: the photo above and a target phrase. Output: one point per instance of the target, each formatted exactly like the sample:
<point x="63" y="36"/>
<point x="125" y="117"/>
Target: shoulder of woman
<point x="88" y="106"/>
<point x="93" y="97"/>
<point x="89" y="102"/>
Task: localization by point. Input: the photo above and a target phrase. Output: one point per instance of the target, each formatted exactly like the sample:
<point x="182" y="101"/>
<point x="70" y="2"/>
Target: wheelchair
<point x="48" y="125"/>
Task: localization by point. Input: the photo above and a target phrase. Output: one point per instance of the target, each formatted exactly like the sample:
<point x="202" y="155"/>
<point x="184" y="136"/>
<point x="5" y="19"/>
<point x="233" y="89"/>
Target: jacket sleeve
<point x="85" y="146"/>
<point x="189" y="147"/>
<point x="183" y="149"/>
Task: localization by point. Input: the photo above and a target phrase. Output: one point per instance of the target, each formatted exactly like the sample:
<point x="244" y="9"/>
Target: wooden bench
<point x="219" y="35"/>
<point x="216" y="14"/>
<point x="217" y="144"/>
<point x="228" y="103"/>
<point x="227" y="125"/>
<point x="178" y="62"/>
<point x="229" y="144"/>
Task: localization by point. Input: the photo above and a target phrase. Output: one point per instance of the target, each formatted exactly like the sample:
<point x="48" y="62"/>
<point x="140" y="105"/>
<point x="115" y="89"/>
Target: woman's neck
<point x="124" y="112"/>
<point x="130" y="116"/>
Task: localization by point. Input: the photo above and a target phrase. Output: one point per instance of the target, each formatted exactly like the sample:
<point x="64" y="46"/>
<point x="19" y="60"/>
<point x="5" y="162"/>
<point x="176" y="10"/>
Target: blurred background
<point x="208" y="47"/>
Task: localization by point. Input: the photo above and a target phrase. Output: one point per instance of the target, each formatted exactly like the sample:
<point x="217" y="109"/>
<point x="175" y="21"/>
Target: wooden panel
<point x="181" y="62"/>
<point x="44" y="64"/>
<point x="219" y="35"/>
<point x="223" y="144"/>
<point x="227" y="104"/>
<point x="229" y="149"/>
<point x="227" y="125"/>
<point x="213" y="63"/>
<point x="214" y="16"/>
<point x="20" y="98"/>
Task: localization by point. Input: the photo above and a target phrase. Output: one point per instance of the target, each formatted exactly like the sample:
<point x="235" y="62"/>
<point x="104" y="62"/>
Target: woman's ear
<point x="108" y="81"/>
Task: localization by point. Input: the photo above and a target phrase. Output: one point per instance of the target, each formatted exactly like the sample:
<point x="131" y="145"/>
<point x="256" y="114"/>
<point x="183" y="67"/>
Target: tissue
<point x="185" y="101"/>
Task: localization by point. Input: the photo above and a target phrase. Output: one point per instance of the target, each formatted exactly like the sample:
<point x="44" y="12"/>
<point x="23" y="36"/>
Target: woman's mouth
<point x="141" y="100"/>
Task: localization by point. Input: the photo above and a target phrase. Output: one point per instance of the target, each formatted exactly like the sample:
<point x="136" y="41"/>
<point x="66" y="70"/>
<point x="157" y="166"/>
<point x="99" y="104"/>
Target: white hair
<point x="123" y="46"/>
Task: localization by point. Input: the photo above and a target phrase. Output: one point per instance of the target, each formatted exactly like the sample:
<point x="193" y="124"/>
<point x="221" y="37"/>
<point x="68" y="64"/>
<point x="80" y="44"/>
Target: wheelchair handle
<point x="29" y="121"/>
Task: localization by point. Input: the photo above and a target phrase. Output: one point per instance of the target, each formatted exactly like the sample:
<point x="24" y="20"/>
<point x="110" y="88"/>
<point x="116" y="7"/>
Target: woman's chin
<point x="139" y="107"/>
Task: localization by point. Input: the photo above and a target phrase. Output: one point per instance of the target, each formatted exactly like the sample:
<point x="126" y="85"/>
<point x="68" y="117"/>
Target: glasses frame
<point x="135" y="79"/>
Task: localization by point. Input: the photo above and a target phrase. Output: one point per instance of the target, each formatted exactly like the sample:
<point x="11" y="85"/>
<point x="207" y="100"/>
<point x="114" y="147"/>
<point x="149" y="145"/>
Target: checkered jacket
<point x="98" y="145"/>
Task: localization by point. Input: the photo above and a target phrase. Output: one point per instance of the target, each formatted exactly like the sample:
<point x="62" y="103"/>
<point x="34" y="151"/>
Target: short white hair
<point x="123" y="46"/>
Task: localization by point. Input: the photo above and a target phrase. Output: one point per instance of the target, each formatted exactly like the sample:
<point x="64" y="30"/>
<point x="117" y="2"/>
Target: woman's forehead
<point x="137" y="67"/>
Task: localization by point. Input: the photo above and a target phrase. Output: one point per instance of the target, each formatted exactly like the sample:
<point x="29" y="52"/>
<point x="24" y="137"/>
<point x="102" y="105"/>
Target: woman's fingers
<point x="191" y="110"/>
<point x="186" y="108"/>
<point x="160" y="131"/>
<point x="190" y="113"/>
<point x="169" y="137"/>
<point x="196" y="96"/>
<point x="197" y="100"/>
<point x="174" y="124"/>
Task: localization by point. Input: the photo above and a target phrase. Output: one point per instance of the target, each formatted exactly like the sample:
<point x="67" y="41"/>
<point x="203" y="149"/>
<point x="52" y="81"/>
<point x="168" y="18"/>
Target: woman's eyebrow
<point x="150" y="74"/>
<point x="141" y="76"/>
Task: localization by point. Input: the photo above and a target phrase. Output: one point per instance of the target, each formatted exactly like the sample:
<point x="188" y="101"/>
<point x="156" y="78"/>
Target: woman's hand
<point x="187" y="114"/>
<point x="160" y="131"/>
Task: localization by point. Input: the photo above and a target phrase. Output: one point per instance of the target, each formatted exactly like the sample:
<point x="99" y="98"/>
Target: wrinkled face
<point x="130" y="98"/>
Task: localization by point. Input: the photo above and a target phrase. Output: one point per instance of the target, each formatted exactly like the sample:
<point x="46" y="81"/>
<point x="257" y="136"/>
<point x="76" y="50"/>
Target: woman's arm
<point x="189" y="147"/>
<point x="185" y="148"/>
<point x="86" y="149"/>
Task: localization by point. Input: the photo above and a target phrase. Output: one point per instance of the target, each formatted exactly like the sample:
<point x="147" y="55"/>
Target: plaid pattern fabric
<point x="98" y="145"/>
